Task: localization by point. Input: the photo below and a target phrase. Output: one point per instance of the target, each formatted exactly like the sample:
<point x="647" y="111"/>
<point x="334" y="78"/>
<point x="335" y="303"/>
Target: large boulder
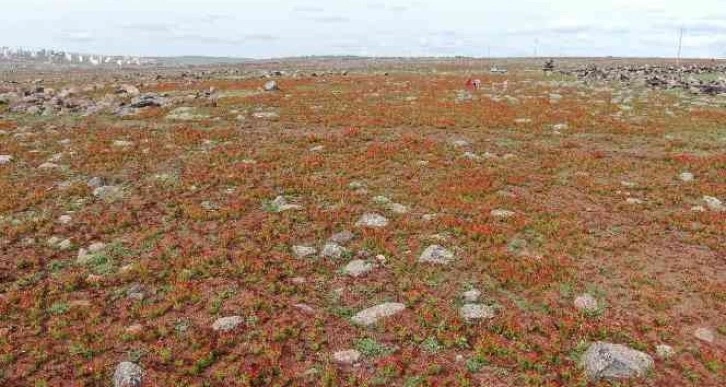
<point x="128" y="374"/>
<point x="615" y="361"/>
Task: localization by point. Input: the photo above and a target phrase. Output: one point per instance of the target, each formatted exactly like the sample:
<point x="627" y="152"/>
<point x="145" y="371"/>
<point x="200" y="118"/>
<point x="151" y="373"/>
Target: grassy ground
<point x="656" y="267"/>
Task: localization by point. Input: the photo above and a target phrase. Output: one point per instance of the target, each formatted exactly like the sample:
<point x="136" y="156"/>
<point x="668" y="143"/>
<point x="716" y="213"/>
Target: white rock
<point x="373" y="314"/>
<point x="713" y="203"/>
<point x="436" y="254"/>
<point x="499" y="213"/>
<point x="397" y="208"/>
<point x="586" y="303"/>
<point x="280" y="204"/>
<point x="271" y="86"/>
<point x="698" y="209"/>
<point x="65" y="244"/>
<point x="225" y="324"/>
<point x="65" y="219"/>
<point x="705" y="334"/>
<point x="303" y="251"/>
<point x="372" y="220"/>
<point x="633" y="201"/>
<point x="5" y="159"/>
<point x="664" y="351"/>
<point x="472" y="295"/>
<point x="471" y="312"/>
<point x="357" y="268"/>
<point x="48" y="166"/>
<point x="614" y="361"/>
<point x="108" y="192"/>
<point x="128" y="374"/>
<point x="686" y="176"/>
<point x="342" y="238"/>
<point x="318" y="148"/>
<point x="347" y="357"/>
<point x="122" y="143"/>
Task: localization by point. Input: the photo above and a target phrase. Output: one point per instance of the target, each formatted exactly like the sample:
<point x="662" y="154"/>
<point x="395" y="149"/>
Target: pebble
<point x="347" y="357"/>
<point x="226" y="324"/>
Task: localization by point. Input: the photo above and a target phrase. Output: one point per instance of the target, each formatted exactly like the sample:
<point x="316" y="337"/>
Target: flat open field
<point x="126" y="234"/>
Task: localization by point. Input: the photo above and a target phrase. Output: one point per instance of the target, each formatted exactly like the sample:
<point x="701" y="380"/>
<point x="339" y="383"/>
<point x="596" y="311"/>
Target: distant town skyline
<point x="286" y="28"/>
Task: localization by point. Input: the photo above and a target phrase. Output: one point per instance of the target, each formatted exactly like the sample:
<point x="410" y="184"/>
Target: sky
<point x="282" y="28"/>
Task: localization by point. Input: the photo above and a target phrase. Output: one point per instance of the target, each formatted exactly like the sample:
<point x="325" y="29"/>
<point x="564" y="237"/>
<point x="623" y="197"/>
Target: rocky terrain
<point x="355" y="221"/>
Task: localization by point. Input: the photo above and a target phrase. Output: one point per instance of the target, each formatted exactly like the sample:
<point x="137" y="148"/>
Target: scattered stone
<point x="122" y="143"/>
<point x="472" y="156"/>
<point x="135" y="329"/>
<point x="705" y="334"/>
<point x="615" y="361"/>
<point x="372" y="315"/>
<point x="397" y="208"/>
<point x="633" y="201"/>
<point x="109" y="193"/>
<point x="436" y="254"/>
<point x="714" y="204"/>
<point x="460" y="143"/>
<point x="270" y="115"/>
<point x="271" y="86"/>
<point x="47" y="166"/>
<point x="381" y="200"/>
<point x="664" y="351"/>
<point x="5" y="159"/>
<point x="472" y="295"/>
<point x="503" y="214"/>
<point x="357" y="267"/>
<point x="305" y="308"/>
<point x="303" y="251"/>
<point x="128" y="89"/>
<point x="280" y="204"/>
<point x="318" y="148"/>
<point x="95" y="182"/>
<point x="348" y="357"/>
<point x="65" y="244"/>
<point x="226" y="324"/>
<point x="429" y="217"/>
<point x="342" y="238"/>
<point x="471" y="312"/>
<point x="372" y="220"/>
<point x="85" y="255"/>
<point x="65" y="219"/>
<point x="332" y="250"/>
<point x="585" y="302"/>
<point x="185" y="113"/>
<point x="686" y="177"/>
<point x="128" y="374"/>
<point x="209" y="205"/>
<point x="136" y="292"/>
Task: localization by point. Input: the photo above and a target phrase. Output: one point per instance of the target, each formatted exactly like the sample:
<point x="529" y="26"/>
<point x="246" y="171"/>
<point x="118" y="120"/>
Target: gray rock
<point x="372" y="315"/>
<point x="436" y="254"/>
<point x="5" y="159"/>
<point x="347" y="357"/>
<point x="136" y="292"/>
<point x="342" y="238"/>
<point x="128" y="374"/>
<point x="332" y="250"/>
<point x="226" y="324"/>
<point x="357" y="267"/>
<point x="499" y="213"/>
<point x="109" y="193"/>
<point x="372" y="220"/>
<point x="280" y="204"/>
<point x="615" y="361"/>
<point x="48" y="166"/>
<point x="471" y="312"/>
<point x="303" y="251"/>
<point x="95" y="182"/>
<point x="271" y="86"/>
<point x="128" y="89"/>
<point x="472" y="295"/>
<point x="705" y="334"/>
<point x="586" y="303"/>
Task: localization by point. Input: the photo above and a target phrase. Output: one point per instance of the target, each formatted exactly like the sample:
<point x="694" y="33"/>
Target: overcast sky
<point x="274" y="28"/>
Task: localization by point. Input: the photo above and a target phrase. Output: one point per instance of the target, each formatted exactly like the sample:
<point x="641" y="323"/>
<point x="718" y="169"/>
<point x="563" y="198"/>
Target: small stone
<point x="705" y="334"/>
<point x="357" y="268"/>
<point x="381" y="258"/>
<point x="586" y="303"/>
<point x="47" y="166"/>
<point x="94" y="279"/>
<point x="318" y="148"/>
<point x="698" y="209"/>
<point x="342" y="238"/>
<point x="209" y="205"/>
<point x="372" y="220"/>
<point x="472" y="295"/>
<point x="128" y="374"/>
<point x="664" y="351"/>
<point x="470" y="312"/>
<point x="347" y="357"/>
<point x="303" y="251"/>
<point x="5" y="159"/>
<point x="436" y="254"/>
<point x="122" y="143"/>
<point x="397" y="208"/>
<point x="381" y="200"/>
<point x="633" y="201"/>
<point x="614" y="361"/>
<point x="429" y="217"/>
<point x="686" y="177"/>
<point x="298" y="280"/>
<point x="65" y="219"/>
<point x="136" y="292"/>
<point x="135" y="329"/>
<point x="305" y="308"/>
<point x="226" y="324"/>
<point x="280" y="204"/>
<point x="503" y="214"/>
<point x="271" y="86"/>
<point x="108" y="193"/>
<point x="714" y="204"/>
<point x="372" y="315"/>
<point x="332" y="250"/>
<point x="65" y="244"/>
<point x="95" y="182"/>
